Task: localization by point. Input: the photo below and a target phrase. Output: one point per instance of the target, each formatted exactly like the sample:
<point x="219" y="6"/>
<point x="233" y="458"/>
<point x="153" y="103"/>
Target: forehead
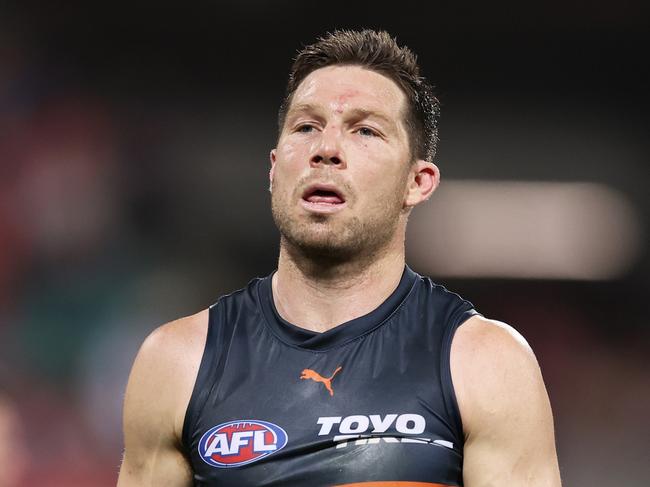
<point x="348" y="87"/>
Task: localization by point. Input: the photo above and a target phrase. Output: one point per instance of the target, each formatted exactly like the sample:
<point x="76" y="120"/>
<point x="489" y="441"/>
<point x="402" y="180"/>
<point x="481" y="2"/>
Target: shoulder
<point x="494" y="371"/>
<point x="483" y="336"/>
<point x="157" y="395"/>
<point x="164" y="371"/>
<point x="505" y="410"/>
<point x="172" y="341"/>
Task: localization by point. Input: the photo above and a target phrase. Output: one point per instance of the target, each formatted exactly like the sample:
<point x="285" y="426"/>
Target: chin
<point x="330" y="247"/>
<point x="330" y="238"/>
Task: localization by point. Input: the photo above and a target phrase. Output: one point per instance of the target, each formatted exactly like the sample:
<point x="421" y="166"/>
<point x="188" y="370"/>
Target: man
<point x="344" y="367"/>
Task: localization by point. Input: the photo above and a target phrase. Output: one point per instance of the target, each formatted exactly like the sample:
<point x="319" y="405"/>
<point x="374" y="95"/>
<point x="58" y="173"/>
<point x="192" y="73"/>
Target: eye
<point x="367" y="132"/>
<point x="305" y="128"/>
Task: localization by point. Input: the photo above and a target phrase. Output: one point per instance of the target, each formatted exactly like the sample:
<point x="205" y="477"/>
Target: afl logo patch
<point x="240" y="442"/>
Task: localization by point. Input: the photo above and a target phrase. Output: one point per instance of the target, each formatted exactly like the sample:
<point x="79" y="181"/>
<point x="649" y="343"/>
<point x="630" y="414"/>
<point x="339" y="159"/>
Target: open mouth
<point x="323" y="199"/>
<point x="324" y="195"/>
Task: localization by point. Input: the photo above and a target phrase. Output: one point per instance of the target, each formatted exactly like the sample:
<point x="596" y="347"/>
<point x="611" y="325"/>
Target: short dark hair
<point x="379" y="52"/>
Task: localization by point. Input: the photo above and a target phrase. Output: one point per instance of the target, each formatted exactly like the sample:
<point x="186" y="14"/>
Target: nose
<point x="327" y="149"/>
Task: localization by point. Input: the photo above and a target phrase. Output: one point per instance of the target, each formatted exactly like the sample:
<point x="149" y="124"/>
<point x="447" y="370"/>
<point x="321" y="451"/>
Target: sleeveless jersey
<point x="369" y="402"/>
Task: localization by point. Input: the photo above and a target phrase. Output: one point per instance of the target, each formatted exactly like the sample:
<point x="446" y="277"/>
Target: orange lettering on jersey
<point x="315" y="376"/>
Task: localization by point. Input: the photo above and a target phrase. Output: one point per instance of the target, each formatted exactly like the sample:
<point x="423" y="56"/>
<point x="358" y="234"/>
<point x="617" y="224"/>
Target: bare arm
<point x="509" y="438"/>
<point x="157" y="395"/>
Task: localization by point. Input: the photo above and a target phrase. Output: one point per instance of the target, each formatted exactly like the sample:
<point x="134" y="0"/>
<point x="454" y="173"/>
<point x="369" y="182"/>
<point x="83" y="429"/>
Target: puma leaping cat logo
<point x="315" y="376"/>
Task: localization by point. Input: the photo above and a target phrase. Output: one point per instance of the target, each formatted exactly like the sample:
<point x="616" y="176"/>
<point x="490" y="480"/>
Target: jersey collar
<point x="340" y="334"/>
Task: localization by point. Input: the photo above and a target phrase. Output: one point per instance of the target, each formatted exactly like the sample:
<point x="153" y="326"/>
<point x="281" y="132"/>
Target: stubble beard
<point x="327" y="240"/>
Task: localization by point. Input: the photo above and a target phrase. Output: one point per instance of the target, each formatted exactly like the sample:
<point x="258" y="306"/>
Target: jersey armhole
<point x="199" y="393"/>
<point x="449" y="394"/>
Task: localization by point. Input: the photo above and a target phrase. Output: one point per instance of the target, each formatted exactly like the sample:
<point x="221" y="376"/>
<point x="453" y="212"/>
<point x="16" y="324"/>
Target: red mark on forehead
<point x="343" y="98"/>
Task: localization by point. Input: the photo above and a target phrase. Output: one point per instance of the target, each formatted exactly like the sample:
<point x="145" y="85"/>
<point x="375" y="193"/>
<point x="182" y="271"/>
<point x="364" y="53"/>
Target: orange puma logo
<point x="315" y="376"/>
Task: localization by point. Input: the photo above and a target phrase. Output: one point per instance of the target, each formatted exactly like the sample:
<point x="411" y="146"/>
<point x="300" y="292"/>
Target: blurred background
<point x="134" y="143"/>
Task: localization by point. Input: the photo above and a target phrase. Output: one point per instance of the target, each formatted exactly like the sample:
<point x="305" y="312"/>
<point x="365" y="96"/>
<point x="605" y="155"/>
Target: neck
<point x="318" y="295"/>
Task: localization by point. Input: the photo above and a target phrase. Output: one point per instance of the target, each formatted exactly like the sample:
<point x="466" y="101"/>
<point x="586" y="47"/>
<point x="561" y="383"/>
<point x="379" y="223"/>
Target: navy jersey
<point x="370" y="400"/>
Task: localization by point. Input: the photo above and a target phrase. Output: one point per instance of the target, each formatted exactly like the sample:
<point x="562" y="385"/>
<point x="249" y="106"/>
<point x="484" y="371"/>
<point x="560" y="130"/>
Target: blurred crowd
<point x="62" y="252"/>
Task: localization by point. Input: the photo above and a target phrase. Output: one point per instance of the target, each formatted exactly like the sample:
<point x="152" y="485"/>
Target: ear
<point x="424" y="178"/>
<point x="272" y="158"/>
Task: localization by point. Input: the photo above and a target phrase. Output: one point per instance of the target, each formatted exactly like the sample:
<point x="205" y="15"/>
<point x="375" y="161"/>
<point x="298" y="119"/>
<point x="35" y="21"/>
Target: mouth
<point x="323" y="198"/>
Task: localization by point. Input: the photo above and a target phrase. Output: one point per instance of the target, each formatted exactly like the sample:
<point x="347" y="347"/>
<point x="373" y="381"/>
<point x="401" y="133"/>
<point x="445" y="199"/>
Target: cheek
<point x="384" y="183"/>
<point x="291" y="152"/>
<point x="376" y="152"/>
<point x="286" y="175"/>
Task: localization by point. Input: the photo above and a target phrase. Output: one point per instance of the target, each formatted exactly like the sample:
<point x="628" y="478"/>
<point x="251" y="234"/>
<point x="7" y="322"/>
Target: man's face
<point x="339" y="173"/>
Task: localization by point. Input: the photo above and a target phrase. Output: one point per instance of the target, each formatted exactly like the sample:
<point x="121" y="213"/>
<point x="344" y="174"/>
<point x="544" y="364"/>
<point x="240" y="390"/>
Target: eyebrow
<point x="360" y="113"/>
<point x="365" y="113"/>
<point x="302" y="107"/>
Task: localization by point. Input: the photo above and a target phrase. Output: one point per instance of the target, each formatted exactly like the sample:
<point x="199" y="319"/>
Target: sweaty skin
<point x="338" y="261"/>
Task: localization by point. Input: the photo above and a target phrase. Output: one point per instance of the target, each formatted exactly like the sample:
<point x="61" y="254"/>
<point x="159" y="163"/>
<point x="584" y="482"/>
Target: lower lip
<point x="322" y="207"/>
